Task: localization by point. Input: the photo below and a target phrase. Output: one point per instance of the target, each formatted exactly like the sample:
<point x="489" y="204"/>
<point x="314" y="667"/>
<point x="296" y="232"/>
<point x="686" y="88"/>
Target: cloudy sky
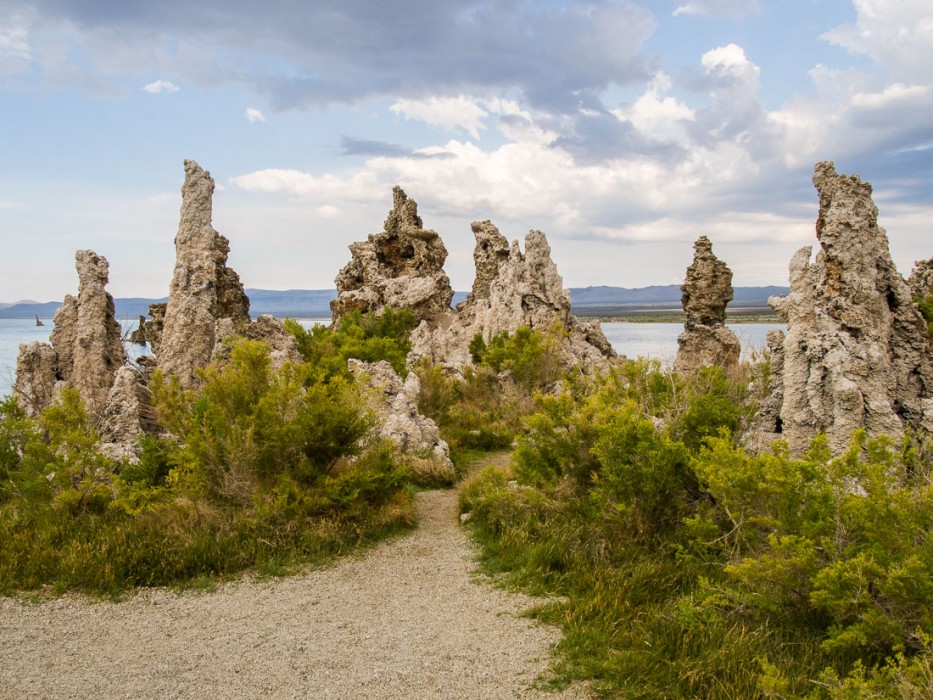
<point x="623" y="130"/>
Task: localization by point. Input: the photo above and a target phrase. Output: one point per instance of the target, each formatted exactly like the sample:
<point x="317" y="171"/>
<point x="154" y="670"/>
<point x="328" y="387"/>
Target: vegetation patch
<point x="259" y="469"/>
<point x="688" y="568"/>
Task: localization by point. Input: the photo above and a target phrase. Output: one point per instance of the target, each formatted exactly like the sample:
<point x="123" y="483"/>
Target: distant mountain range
<point x="298" y="303"/>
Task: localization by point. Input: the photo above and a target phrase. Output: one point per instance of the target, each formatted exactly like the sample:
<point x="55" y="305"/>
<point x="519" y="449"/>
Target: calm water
<point x="654" y="340"/>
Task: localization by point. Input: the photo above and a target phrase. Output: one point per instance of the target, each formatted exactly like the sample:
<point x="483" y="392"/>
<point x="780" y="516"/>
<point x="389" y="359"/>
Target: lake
<point x="653" y="340"/>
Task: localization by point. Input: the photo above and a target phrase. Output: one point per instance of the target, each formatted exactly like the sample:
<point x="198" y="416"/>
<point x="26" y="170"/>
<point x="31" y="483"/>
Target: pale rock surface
<point x="921" y="279"/>
<point x="283" y="347"/>
<point x="856" y="354"/>
<point x="394" y="403"/>
<point x="401" y="267"/>
<point x="36" y="376"/>
<point x="707" y="289"/>
<point x="98" y="352"/>
<point x="767" y="425"/>
<point x="512" y="289"/>
<point x="64" y="335"/>
<point x="128" y="415"/>
<point x="203" y="289"/>
<point x="86" y="349"/>
<point x="151" y="329"/>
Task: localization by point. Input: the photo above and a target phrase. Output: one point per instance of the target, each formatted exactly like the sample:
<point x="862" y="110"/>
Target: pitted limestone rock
<point x="707" y="289"/>
<point x="401" y="267"/>
<point x="513" y="289"/>
<point x="394" y="403"/>
<point x="203" y="289"/>
<point x="856" y="354"/>
<point x="86" y="348"/>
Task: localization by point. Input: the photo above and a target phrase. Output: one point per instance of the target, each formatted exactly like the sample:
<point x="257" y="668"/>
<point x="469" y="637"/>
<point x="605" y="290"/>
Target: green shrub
<point x="247" y="425"/>
<point x="258" y="468"/>
<point x="530" y="357"/>
<point x="841" y="545"/>
<point x="926" y="309"/>
<point x="368" y="337"/>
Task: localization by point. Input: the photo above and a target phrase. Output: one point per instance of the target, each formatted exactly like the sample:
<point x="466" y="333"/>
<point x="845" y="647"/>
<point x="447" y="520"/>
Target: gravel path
<point x="406" y="620"/>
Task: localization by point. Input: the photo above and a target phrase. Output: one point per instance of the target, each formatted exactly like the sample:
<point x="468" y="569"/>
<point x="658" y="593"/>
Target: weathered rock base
<point x="395" y="405"/>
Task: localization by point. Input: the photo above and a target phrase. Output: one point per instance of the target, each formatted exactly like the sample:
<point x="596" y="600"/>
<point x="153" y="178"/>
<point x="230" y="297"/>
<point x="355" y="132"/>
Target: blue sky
<point x="623" y="130"/>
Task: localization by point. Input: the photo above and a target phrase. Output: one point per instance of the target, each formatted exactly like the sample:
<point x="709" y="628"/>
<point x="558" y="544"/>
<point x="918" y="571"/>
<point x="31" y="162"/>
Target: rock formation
<point x="921" y="279"/>
<point x="395" y="406"/>
<point x="86" y="350"/>
<point x="707" y="289"/>
<point x="282" y="345"/>
<point x="129" y="414"/>
<point x="151" y="329"/>
<point x="512" y="289"/>
<point x="203" y="290"/>
<point x="402" y="267"/>
<point x="36" y="376"/>
<point x="856" y="354"/>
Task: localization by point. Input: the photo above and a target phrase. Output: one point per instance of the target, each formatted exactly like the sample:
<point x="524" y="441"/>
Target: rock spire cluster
<point x="514" y="289"/>
<point x="401" y="267"/>
<point x="85" y="351"/>
<point x="856" y="354"/>
<point x="707" y="289"/>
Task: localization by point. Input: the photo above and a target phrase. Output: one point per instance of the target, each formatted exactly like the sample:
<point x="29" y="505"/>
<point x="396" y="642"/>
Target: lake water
<point x="654" y="340"/>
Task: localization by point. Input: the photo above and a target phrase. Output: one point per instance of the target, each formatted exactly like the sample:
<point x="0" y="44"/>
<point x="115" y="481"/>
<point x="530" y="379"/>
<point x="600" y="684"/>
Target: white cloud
<point x="295" y="184"/>
<point x="897" y="34"/>
<point x="729" y="60"/>
<point x="446" y="112"/>
<point x="14" y="41"/>
<point x="730" y="8"/>
<point x="329" y="211"/>
<point x="656" y="116"/>
<point x="161" y="86"/>
<point x="15" y="51"/>
<point x="894" y="94"/>
<point x="254" y="116"/>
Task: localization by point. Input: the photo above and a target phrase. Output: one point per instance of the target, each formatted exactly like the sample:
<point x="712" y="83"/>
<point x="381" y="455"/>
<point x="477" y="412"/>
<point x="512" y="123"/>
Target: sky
<point x="623" y="130"/>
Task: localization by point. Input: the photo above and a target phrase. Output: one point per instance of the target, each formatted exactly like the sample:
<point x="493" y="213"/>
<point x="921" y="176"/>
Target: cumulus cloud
<point x="254" y="116"/>
<point x="896" y="34"/>
<point x="158" y="87"/>
<point x="446" y="112"/>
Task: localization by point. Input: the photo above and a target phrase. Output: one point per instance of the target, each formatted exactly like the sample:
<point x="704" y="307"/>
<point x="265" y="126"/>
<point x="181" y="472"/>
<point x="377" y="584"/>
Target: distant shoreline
<point x="654" y="314"/>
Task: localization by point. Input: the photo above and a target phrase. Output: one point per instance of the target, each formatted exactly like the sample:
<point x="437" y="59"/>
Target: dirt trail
<point x="406" y="620"/>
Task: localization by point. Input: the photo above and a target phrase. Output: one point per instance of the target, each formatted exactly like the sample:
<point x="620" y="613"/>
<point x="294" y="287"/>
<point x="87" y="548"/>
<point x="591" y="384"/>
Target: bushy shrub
<point x="926" y="309"/>
<point x="257" y="468"/>
<point x="363" y="336"/>
<point x="248" y="425"/>
<point x="691" y="568"/>
<point x="842" y="543"/>
<point x="483" y="408"/>
<point x="530" y="357"/>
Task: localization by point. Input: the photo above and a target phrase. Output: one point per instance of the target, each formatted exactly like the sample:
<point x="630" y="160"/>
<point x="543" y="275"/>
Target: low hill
<point x="297" y="303"/>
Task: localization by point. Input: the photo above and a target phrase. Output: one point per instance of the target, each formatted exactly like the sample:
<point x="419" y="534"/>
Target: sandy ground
<point x="406" y="620"/>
